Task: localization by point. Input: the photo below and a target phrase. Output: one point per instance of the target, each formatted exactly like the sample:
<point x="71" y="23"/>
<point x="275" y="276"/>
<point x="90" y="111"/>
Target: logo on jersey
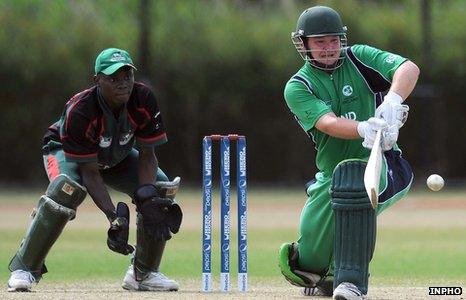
<point x="390" y="59"/>
<point x="156" y="122"/>
<point x="103" y="167"/>
<point x="347" y="90"/>
<point x="351" y="115"/>
<point x="105" y="142"/>
<point x="125" y="138"/>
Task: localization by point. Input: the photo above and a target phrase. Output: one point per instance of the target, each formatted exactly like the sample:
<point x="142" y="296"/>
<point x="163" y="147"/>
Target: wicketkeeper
<point x="341" y="97"/>
<point x="106" y="137"/>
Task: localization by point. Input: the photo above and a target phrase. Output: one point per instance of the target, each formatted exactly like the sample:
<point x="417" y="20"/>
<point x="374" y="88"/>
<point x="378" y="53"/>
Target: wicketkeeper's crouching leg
<point x="53" y="211"/>
<point x="355" y="230"/>
<point x="158" y="216"/>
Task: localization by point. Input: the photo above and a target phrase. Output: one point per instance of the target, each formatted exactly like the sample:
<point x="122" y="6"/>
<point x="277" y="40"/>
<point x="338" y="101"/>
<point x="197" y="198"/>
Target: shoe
<point x="155" y="281"/>
<point x="20" y="281"/>
<point x="316" y="291"/>
<point x="288" y="264"/>
<point x="324" y="288"/>
<point x="347" y="291"/>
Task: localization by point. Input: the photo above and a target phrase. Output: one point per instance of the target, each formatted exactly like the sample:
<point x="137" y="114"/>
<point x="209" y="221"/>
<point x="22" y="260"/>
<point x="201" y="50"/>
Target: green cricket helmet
<point x="318" y="21"/>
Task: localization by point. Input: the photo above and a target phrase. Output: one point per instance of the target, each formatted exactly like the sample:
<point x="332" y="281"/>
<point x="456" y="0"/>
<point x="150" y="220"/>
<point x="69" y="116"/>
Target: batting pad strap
<point x="355" y="225"/>
<point x="57" y="208"/>
<point x="351" y="204"/>
<point x="344" y="188"/>
<point x="168" y="189"/>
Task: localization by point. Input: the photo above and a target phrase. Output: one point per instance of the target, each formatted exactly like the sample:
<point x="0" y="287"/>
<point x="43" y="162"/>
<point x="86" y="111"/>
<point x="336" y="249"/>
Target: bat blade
<point x="373" y="170"/>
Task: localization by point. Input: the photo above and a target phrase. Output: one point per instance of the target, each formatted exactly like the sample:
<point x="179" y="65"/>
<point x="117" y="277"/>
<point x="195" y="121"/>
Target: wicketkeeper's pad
<point x="54" y="210"/>
<point x="160" y="213"/>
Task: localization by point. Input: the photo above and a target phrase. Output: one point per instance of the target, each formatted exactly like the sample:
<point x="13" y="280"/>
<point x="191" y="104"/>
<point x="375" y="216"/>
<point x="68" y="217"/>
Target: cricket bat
<point x="373" y="170"/>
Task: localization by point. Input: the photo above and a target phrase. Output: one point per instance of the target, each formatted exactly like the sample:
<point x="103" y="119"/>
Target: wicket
<point x="241" y="187"/>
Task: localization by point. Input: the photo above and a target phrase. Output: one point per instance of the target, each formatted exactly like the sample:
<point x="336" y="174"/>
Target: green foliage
<point x="217" y="66"/>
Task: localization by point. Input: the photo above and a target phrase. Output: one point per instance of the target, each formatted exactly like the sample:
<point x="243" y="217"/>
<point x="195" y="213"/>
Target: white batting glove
<point x="392" y="111"/>
<point x="389" y="137"/>
<point x="368" y="129"/>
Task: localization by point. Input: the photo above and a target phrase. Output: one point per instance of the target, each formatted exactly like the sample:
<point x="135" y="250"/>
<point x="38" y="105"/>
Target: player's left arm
<point x="161" y="215"/>
<point x="94" y="183"/>
<point x="405" y="79"/>
<point x="403" y="82"/>
<point x="385" y="71"/>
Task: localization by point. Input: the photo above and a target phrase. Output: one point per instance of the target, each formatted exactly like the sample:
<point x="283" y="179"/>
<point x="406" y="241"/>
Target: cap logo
<point x="117" y="57"/>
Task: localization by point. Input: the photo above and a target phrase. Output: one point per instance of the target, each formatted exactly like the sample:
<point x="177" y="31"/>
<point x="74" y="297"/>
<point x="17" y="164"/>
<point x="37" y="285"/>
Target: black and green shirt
<point x="90" y="132"/>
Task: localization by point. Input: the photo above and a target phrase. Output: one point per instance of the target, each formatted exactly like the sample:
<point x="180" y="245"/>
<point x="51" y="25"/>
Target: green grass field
<point x="421" y="240"/>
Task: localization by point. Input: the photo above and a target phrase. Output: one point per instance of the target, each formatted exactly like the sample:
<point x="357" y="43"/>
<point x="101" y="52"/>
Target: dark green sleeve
<point x="304" y="105"/>
<point x="381" y="61"/>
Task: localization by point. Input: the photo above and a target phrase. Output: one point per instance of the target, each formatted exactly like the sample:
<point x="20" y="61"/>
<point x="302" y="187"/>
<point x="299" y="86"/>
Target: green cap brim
<point x="113" y="68"/>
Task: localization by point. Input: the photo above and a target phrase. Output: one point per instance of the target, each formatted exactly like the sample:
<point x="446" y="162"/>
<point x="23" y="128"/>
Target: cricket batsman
<point x="341" y="97"/>
<point x="106" y="136"/>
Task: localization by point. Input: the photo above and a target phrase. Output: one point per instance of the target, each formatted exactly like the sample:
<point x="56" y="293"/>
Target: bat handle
<point x="378" y="138"/>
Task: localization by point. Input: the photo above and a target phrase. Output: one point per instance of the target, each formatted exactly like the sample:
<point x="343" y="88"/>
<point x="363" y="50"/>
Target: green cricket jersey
<point x="352" y="91"/>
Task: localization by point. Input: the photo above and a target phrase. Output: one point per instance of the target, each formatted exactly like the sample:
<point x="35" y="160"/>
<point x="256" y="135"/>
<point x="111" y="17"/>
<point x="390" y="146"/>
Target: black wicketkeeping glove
<point x="161" y="216"/>
<point x="117" y="235"/>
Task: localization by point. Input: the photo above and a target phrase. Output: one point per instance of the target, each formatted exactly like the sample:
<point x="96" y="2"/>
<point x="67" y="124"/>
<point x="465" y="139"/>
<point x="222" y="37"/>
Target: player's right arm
<point x="312" y="112"/>
<point x="80" y="137"/>
<point x="349" y="129"/>
<point x="338" y="127"/>
<point x="95" y="186"/>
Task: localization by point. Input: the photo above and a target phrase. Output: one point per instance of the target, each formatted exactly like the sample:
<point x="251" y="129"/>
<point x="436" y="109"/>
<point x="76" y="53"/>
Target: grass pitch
<point x="421" y="243"/>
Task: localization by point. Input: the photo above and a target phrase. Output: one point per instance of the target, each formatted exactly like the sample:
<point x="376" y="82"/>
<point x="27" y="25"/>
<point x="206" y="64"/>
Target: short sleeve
<point x="150" y="131"/>
<point x="79" y="137"/>
<point x="304" y="104"/>
<point x="383" y="62"/>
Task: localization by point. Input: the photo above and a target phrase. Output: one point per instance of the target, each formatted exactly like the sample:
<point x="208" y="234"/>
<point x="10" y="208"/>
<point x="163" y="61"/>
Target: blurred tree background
<point x="220" y="67"/>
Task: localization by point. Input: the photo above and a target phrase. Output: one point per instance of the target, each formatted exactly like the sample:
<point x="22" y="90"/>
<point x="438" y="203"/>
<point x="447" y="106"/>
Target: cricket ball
<point x="435" y="182"/>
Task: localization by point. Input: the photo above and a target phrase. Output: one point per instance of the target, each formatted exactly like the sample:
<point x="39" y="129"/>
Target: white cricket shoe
<point x="155" y="281"/>
<point x="20" y="281"/>
<point x="347" y="291"/>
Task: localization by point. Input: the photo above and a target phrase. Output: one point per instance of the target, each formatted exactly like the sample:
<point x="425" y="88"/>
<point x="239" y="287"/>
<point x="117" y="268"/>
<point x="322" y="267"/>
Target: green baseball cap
<point x="111" y="59"/>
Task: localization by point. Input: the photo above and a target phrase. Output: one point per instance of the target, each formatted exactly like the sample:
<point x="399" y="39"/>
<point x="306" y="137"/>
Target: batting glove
<point x="389" y="137"/>
<point x="392" y="111"/>
<point x="368" y="130"/>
